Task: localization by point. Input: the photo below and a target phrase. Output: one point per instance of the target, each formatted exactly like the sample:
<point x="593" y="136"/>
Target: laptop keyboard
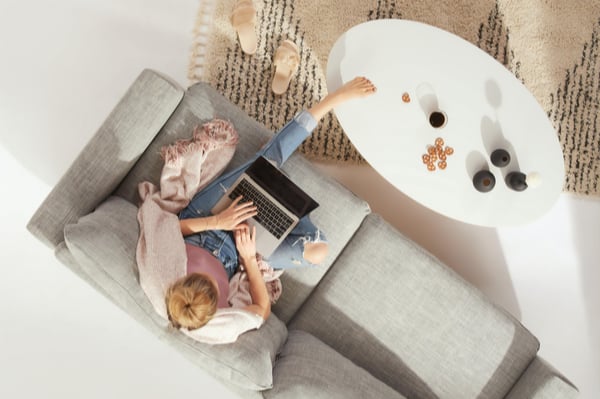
<point x="269" y="215"/>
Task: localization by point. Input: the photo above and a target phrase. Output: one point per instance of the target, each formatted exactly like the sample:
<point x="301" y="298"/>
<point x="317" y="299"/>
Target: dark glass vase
<point x="500" y="158"/>
<point x="484" y="181"/>
<point x="516" y="181"/>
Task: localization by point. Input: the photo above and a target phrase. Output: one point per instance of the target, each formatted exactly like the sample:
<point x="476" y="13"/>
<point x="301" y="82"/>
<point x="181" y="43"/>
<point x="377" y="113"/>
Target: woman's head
<point x="192" y="301"/>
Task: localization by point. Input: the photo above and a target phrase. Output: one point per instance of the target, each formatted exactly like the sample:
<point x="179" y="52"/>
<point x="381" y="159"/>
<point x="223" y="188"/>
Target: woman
<point x="213" y="242"/>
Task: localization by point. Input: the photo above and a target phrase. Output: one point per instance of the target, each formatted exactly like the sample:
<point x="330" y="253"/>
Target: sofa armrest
<point x="108" y="156"/>
<point x="541" y="381"/>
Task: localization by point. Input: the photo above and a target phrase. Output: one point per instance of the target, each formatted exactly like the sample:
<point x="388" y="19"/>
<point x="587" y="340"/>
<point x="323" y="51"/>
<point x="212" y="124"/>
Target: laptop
<point x="279" y="201"/>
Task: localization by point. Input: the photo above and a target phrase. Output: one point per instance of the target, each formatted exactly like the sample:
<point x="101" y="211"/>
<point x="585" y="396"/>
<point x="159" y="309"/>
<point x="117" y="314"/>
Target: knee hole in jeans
<point x="315" y="252"/>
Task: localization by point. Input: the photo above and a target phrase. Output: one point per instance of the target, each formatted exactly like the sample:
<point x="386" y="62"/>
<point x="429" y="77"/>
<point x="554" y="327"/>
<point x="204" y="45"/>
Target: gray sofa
<point x="381" y="318"/>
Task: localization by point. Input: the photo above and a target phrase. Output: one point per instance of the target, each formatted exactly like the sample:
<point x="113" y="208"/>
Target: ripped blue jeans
<point x="221" y="243"/>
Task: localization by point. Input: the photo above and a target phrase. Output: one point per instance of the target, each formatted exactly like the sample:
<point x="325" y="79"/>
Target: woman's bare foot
<point x="355" y="88"/>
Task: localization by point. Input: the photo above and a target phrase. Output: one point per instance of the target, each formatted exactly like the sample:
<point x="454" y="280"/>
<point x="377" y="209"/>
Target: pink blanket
<point x="161" y="257"/>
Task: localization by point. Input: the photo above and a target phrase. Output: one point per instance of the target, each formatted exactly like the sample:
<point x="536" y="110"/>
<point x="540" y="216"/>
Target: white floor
<point x="63" y="68"/>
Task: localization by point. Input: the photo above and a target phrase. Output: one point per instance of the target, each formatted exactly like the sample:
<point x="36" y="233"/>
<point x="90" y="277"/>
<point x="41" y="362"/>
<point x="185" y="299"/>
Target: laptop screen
<point x="281" y="187"/>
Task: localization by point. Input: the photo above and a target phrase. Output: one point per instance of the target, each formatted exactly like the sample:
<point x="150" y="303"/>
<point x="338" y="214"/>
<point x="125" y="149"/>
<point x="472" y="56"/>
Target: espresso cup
<point x="438" y="119"/>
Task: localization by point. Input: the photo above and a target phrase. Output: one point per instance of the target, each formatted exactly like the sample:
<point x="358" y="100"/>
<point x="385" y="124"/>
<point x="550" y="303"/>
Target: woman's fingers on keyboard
<point x="245" y="211"/>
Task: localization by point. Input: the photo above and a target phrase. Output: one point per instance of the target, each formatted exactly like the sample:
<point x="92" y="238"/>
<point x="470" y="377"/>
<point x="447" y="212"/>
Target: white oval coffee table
<point x="486" y="107"/>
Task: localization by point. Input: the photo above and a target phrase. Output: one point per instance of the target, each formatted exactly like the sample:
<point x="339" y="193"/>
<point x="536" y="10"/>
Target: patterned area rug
<point x="550" y="45"/>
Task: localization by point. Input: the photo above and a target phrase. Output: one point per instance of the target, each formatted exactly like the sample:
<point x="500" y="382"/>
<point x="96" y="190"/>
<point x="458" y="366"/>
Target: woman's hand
<point x="234" y="215"/>
<point x="245" y="242"/>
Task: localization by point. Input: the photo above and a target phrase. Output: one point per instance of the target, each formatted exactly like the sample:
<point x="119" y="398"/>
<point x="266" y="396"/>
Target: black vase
<point x="516" y="181"/>
<point x="484" y="181"/>
<point x="500" y="158"/>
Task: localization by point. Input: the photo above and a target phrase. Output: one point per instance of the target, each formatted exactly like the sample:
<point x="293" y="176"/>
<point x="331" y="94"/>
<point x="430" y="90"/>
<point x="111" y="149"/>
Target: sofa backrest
<point x="108" y="157"/>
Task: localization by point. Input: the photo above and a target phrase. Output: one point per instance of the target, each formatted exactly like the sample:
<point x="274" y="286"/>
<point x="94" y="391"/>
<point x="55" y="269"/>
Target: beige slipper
<point x="243" y="19"/>
<point x="286" y="61"/>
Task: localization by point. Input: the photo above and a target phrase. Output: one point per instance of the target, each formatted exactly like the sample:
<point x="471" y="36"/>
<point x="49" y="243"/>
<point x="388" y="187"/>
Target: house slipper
<point x="286" y="61"/>
<point x="243" y="19"/>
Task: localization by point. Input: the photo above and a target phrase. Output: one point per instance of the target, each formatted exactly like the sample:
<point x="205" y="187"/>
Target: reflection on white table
<point x="486" y="106"/>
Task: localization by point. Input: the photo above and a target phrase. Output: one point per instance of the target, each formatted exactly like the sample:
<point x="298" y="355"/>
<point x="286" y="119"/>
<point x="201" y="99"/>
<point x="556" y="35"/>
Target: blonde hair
<point x="191" y="301"/>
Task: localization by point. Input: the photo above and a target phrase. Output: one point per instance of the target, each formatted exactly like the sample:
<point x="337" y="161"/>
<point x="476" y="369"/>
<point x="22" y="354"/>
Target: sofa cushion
<point x="413" y="323"/>
<point x="104" y="244"/>
<point x="200" y="104"/>
<point x="335" y="201"/>
<point x="308" y="368"/>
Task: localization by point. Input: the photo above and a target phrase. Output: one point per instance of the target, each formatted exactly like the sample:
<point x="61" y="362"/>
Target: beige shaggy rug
<point x="550" y="45"/>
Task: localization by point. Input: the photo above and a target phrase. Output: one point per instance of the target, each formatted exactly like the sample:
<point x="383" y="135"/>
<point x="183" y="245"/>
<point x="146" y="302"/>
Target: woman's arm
<point x="196" y="225"/>
<point x="245" y="241"/>
<point x="261" y="303"/>
<point x="229" y="219"/>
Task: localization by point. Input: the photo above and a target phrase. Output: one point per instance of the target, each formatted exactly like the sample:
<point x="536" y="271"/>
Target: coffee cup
<point x="438" y="119"/>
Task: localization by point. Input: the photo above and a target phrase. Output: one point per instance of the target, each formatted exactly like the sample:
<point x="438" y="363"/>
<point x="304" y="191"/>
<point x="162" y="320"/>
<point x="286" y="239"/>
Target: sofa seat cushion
<point x="308" y="368"/>
<point x="339" y="216"/>
<point x="104" y="244"/>
<point x="413" y="323"/>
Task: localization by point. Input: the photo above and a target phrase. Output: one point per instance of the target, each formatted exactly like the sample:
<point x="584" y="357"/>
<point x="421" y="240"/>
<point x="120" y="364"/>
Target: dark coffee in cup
<point x="437" y="119"/>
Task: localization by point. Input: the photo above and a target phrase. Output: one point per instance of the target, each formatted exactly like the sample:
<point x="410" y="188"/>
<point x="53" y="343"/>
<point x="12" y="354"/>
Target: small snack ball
<point x="533" y="179"/>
